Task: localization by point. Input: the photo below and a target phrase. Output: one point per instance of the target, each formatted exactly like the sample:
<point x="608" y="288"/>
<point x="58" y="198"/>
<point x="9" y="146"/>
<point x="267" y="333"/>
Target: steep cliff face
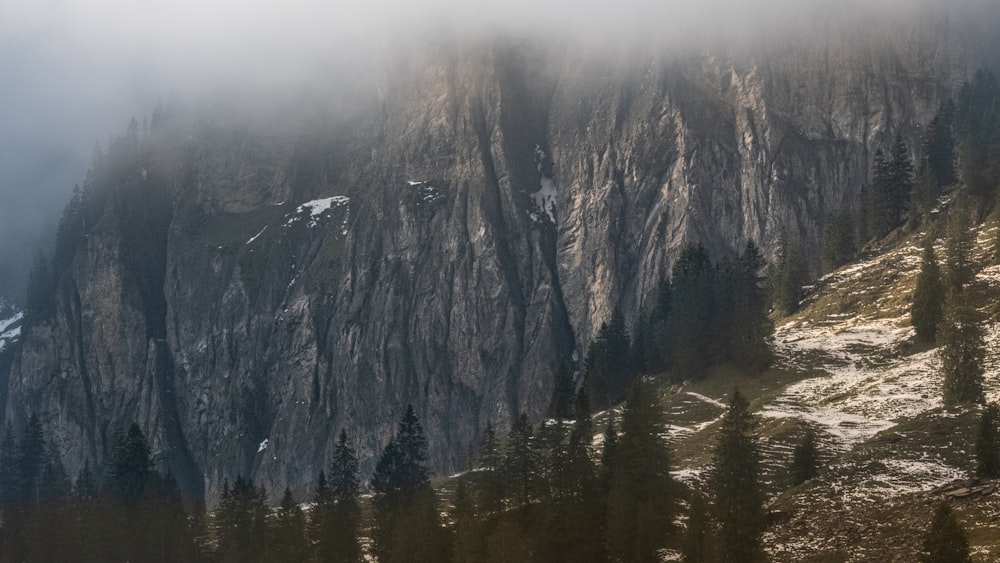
<point x="247" y="291"/>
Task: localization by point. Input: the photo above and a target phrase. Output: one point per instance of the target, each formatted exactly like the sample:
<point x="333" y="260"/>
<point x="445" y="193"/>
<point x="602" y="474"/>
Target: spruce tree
<point x="945" y="541"/>
<point x="962" y="352"/>
<point x="607" y="366"/>
<point x="489" y="479"/>
<point x="241" y="522"/>
<point x="735" y="481"/>
<point x="340" y="542"/>
<point x="697" y="538"/>
<point x="561" y="405"/>
<point x="750" y="327"/>
<point x="407" y="523"/>
<point x="878" y="205"/>
<point x="789" y="277"/>
<point x="838" y="240"/>
<point x="288" y="532"/>
<point x="640" y="499"/>
<point x="900" y="181"/>
<point x="469" y="544"/>
<point x="940" y="145"/>
<point x="928" y="297"/>
<point x="692" y="314"/>
<point x="988" y="443"/>
<point x="805" y="459"/>
<point x="958" y="246"/>
<point x="519" y="464"/>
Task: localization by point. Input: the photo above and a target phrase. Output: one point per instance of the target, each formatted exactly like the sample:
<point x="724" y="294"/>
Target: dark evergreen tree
<point x="407" y="526"/>
<point x="489" y="479"/>
<point x="469" y="544"/>
<point x="962" y="352"/>
<point x="41" y="290"/>
<point x="928" y="297"/>
<point x="945" y="541"/>
<point x="958" y="246"/>
<point x="10" y="471"/>
<point x="692" y="317"/>
<point x="697" y="538"/>
<point x="131" y="467"/>
<point x="241" y="522"/>
<point x="900" y="181"/>
<point x="735" y="480"/>
<point x="640" y="499"/>
<point x="750" y="327"/>
<point x="925" y="193"/>
<point x="940" y="146"/>
<point x="789" y="277"/>
<point x="878" y="206"/>
<point x="341" y="514"/>
<point x="838" y="240"/>
<point x="607" y="366"/>
<point x="561" y="405"/>
<point x="519" y="464"/>
<point x="32" y="458"/>
<point x="978" y="125"/>
<point x="288" y="533"/>
<point x="988" y="443"/>
<point x="805" y="459"/>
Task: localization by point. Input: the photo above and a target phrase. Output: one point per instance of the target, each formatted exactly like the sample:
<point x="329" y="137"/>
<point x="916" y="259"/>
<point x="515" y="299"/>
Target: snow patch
<point x="317" y="207"/>
<point x="262" y="446"/>
<point x="253" y="238"/>
<point x="10" y="330"/>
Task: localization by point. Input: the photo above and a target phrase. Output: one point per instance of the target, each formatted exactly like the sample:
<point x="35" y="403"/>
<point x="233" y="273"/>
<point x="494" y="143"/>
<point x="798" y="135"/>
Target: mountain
<point x="245" y="285"/>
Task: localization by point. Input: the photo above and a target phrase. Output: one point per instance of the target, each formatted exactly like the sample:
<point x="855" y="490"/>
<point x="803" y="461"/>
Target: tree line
<point x="706" y="313"/>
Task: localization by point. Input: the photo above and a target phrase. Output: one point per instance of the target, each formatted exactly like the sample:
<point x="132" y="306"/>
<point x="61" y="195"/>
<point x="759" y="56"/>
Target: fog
<point x="75" y="72"/>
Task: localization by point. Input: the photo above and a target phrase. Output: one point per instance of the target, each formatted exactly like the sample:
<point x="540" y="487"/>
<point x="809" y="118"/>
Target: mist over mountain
<point x="321" y="215"/>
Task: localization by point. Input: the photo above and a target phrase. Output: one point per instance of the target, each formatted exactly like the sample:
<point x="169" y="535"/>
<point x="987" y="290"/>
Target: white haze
<point x="74" y="72"/>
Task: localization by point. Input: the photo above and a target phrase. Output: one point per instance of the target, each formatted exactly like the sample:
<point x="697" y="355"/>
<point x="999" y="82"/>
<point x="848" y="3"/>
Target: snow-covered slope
<point x="848" y="366"/>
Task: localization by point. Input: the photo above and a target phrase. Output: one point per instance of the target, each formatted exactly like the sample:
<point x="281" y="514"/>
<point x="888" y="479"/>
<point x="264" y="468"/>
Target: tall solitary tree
<point x="958" y="246"/>
<point x="750" y="327"/>
<point x="735" y="480"/>
<point x="928" y="297"/>
<point x="988" y="443"/>
<point x="407" y="522"/>
<point x="805" y="459"/>
<point x="962" y="352"/>
<point x="640" y="500"/>
<point x="945" y="541"/>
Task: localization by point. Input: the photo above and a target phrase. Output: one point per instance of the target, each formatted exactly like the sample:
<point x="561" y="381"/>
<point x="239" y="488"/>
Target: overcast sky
<point x="73" y="72"/>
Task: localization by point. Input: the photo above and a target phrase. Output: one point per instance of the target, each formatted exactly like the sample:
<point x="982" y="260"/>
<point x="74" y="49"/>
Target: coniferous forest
<point x="590" y="482"/>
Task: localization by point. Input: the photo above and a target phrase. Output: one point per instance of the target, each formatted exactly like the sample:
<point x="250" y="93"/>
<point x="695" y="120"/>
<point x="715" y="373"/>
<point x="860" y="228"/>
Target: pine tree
<point x="241" y="522"/>
<point x="838" y="240"/>
<point x="735" y="480"/>
<point x="945" y="541"/>
<point x="958" y="246"/>
<point x="640" y="499"/>
<point x="32" y="459"/>
<point x="10" y="471"/>
<point x="607" y="366"/>
<point x="288" y="532"/>
<point x="489" y="479"/>
<point x="977" y="122"/>
<point x="697" y="545"/>
<point x="789" y="277"/>
<point x="407" y="524"/>
<point x="131" y="467"/>
<point x="562" y="394"/>
<point x="988" y="443"/>
<point x="928" y="297"/>
<point x="750" y="326"/>
<point x="469" y="544"/>
<point x="878" y="205"/>
<point x="940" y="147"/>
<point x="338" y="512"/>
<point x="900" y="181"/>
<point x="805" y="459"/>
<point x="692" y="317"/>
<point x="962" y="352"/>
<point x="519" y="464"/>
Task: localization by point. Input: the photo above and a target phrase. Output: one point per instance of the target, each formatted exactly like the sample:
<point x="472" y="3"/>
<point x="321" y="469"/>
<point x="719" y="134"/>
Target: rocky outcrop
<point x="246" y="291"/>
